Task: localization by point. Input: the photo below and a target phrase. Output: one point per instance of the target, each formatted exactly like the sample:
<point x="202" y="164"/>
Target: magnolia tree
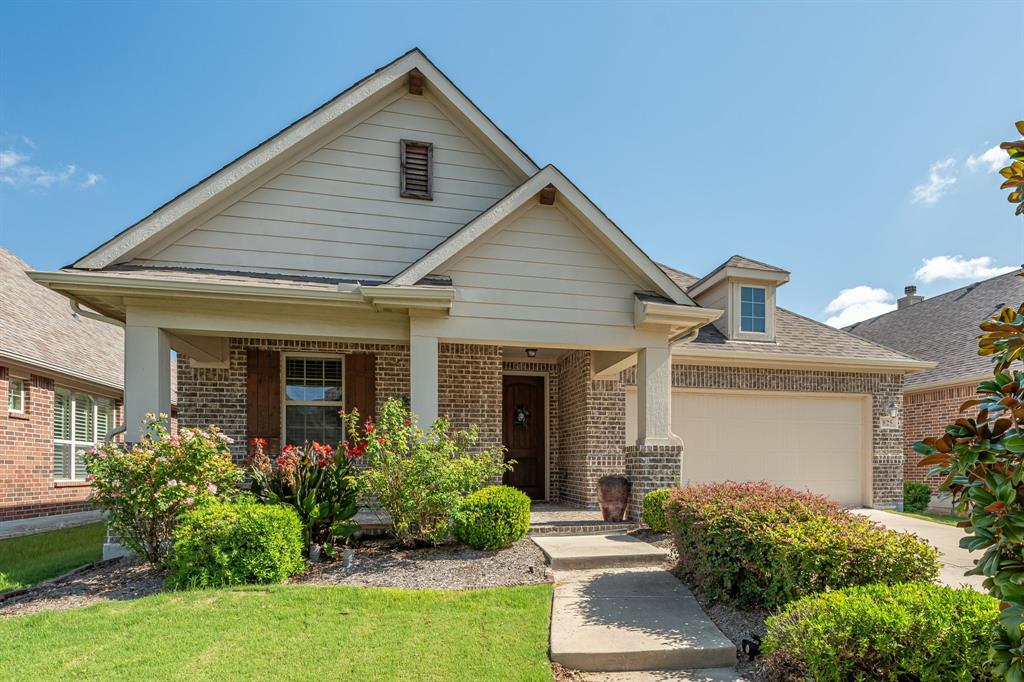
<point x="981" y="461"/>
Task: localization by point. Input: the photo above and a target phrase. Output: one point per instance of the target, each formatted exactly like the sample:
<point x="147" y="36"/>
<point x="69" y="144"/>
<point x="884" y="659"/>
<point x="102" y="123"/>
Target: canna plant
<point x="317" y="481"/>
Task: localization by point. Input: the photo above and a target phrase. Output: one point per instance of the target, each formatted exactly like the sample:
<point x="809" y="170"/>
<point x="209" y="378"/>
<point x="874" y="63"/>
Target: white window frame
<point x="76" y="445"/>
<point x="21" y="394"/>
<point x="739" y="310"/>
<point x="285" y="401"/>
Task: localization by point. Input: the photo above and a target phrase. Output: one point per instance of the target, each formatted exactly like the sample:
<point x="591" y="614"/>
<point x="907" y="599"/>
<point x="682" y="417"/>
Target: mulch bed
<point x="377" y="563"/>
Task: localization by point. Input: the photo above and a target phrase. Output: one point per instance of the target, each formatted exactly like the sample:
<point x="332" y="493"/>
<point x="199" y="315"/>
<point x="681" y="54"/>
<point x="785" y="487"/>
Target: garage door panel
<point x="805" y="442"/>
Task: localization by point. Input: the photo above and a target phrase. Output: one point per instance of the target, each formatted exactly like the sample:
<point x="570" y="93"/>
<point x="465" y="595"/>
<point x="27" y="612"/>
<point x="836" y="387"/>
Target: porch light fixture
<point x="531" y="352"/>
<point x="893" y="409"/>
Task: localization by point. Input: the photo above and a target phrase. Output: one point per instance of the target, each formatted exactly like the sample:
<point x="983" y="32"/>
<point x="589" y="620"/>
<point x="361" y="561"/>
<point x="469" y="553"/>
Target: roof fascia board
<point x="196" y="198"/>
<point x="453" y="247"/>
<point x="946" y="383"/>
<point x="731" y="272"/>
<point x="689" y="354"/>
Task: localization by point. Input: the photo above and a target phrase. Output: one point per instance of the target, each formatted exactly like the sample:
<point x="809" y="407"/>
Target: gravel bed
<point x="116" y="580"/>
<point x="384" y="563"/>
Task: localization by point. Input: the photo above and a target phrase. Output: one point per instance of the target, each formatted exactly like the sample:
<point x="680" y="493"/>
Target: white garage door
<point x="816" y="443"/>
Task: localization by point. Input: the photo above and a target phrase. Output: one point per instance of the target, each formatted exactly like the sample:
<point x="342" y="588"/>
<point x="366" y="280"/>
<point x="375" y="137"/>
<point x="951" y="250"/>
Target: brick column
<point x="649" y="467"/>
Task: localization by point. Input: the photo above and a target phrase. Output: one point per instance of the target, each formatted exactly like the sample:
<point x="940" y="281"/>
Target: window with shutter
<point x="417" y="170"/>
<point x="313" y="394"/>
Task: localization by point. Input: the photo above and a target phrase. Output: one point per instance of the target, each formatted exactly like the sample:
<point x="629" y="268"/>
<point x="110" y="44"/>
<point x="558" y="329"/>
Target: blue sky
<point x="844" y="142"/>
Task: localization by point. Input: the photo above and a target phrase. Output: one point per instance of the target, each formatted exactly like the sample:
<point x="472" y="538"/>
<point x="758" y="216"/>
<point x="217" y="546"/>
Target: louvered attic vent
<point x="417" y="170"/>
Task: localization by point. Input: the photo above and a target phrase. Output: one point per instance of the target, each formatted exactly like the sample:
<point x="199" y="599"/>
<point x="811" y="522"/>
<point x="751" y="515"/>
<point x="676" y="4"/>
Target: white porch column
<point x="147" y="376"/>
<point x="654" y="397"/>
<point x="423" y="377"/>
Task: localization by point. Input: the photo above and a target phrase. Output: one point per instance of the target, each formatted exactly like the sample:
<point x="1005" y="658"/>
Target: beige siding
<point x="542" y="267"/>
<point x="338" y="211"/>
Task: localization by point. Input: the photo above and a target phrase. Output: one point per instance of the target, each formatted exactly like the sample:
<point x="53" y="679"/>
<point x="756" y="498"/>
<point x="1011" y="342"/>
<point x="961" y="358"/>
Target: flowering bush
<point x="419" y="477"/>
<point x="144" y="487"/>
<point x="316" y="480"/>
<point x="764" y="545"/>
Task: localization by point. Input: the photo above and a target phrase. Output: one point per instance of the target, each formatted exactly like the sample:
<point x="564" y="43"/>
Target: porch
<point x="553" y="518"/>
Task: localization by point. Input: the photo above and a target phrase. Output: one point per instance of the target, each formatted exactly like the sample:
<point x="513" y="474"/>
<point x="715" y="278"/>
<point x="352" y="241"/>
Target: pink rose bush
<point x="145" y="487"/>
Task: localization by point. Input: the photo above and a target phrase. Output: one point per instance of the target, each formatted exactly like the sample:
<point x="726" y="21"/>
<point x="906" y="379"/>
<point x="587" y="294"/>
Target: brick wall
<point x="27" y="487"/>
<point x="926" y="414"/>
<point x="469" y="389"/>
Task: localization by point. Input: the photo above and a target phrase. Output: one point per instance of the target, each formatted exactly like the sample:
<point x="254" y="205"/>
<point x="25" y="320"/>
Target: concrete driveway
<point x="946" y="538"/>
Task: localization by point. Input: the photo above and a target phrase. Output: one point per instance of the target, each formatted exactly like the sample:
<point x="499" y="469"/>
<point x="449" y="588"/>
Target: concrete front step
<point x="632" y="620"/>
<point x="580" y="552"/>
<point x="582" y="528"/>
<point x="701" y="675"/>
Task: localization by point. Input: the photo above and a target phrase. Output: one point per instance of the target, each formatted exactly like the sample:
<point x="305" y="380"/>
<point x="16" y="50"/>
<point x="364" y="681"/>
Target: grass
<point x="30" y="559"/>
<point x="947" y="519"/>
<point x="289" y="632"/>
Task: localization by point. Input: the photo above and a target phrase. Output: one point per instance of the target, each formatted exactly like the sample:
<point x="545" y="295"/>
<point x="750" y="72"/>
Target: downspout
<point x="77" y="309"/>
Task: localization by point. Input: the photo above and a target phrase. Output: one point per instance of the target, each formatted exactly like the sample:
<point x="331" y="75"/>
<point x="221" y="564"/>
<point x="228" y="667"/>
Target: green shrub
<point x="913" y="631"/>
<point x="757" y="544"/>
<point x="223" y="543"/>
<point x="493" y="518"/>
<point x="916" y="496"/>
<point x="145" y="487"/>
<point x="419" y="478"/>
<point x="654" y="509"/>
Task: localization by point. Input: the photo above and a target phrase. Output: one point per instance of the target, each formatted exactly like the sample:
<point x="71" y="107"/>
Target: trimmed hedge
<point x="913" y="631"/>
<point x="916" y="497"/>
<point x="757" y="544"/>
<point x="225" y="543"/>
<point x="493" y="518"/>
<point x="654" y="509"/>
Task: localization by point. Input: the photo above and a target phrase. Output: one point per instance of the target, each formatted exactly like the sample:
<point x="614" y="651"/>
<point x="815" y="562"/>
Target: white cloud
<point x="858" y="303"/>
<point x="958" y="267"/>
<point x="991" y="159"/>
<point x="16" y="171"/>
<point x="938" y="183"/>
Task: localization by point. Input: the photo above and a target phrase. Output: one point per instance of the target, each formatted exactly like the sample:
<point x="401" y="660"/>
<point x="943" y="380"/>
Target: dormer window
<point x="752" y="309"/>
<point x="417" y="179"/>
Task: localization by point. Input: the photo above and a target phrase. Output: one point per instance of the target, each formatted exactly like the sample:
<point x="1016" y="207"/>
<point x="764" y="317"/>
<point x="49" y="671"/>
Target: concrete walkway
<point x="955" y="561"/>
<point x="41" y="524"/>
<point x="616" y="610"/>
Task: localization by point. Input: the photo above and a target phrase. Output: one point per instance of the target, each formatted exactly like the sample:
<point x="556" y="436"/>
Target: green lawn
<point x="289" y="632"/>
<point x="947" y="519"/>
<point x="32" y="558"/>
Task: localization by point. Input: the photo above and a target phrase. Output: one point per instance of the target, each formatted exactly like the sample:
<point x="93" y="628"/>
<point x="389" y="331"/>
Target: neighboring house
<point x="944" y="330"/>
<point x="396" y="242"/>
<point x="60" y="392"/>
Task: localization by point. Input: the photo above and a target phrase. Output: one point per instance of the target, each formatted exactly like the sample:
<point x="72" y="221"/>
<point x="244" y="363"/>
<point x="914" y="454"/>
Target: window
<point x="80" y="421"/>
<point x="417" y="170"/>
<point x="312" y="397"/>
<point x="16" y="395"/>
<point x="752" y="312"/>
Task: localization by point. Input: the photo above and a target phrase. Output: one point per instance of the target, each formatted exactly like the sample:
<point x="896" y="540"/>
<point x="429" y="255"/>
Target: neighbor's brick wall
<point x="926" y="414"/>
<point x="27" y="487"/>
<point x="887" y="444"/>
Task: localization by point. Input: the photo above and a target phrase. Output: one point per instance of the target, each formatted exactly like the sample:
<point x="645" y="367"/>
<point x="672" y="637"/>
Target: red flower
<point x="369" y="427"/>
<point x="381" y="441"/>
<point x="408" y="421"/>
<point x="260" y="442"/>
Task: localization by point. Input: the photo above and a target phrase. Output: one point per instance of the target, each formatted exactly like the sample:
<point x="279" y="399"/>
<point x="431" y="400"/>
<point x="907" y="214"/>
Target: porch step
<point x="582" y="528"/>
<point x="633" y="620"/>
<point x="580" y="552"/>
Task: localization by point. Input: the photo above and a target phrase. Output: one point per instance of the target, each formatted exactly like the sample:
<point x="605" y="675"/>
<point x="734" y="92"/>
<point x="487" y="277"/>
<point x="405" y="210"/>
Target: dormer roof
<point x="740" y="267"/>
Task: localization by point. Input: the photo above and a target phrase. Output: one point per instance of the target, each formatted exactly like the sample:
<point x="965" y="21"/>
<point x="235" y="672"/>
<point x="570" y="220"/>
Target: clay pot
<point x="613" y="496"/>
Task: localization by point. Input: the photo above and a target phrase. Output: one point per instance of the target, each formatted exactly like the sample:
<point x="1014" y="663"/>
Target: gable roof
<point x="943" y="328"/>
<point x="612" y="236"/>
<point x="795" y="335"/>
<point x="240" y="173"/>
<point x="38" y="328"/>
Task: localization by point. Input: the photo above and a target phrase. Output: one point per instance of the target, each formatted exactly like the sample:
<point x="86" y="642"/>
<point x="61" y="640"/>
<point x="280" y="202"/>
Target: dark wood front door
<point x="523" y="433"/>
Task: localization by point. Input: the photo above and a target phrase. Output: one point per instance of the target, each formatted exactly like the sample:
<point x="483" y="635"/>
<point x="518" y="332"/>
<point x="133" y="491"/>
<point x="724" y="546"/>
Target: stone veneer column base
<point x="649" y="467"/>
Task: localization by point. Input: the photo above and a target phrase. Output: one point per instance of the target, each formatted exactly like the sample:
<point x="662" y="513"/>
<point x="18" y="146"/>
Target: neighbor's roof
<point x="794" y="335"/>
<point x="943" y="329"/>
<point x="37" y="327"/>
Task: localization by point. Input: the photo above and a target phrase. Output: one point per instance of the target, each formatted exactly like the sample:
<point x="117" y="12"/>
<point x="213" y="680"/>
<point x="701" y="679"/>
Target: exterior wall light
<point x="531" y="352"/>
<point x="893" y="409"/>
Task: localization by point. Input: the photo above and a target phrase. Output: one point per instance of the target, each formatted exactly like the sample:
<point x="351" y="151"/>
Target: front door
<point x="523" y="433"/>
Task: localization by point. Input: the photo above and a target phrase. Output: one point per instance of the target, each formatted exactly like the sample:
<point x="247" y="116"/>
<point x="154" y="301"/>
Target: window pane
<point x="746" y="309"/>
<point x="61" y="461"/>
<point x="16" y="395"/>
<point x="61" y="416"/>
<point x="84" y="424"/>
<point x="308" y="423"/>
<point x="104" y="418"/>
<point x="80" y="471"/>
<point x="313" y="379"/>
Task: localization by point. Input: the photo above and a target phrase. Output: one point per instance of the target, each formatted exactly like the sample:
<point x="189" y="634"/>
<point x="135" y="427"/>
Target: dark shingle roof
<point x="943" y="329"/>
<point x="794" y="335"/>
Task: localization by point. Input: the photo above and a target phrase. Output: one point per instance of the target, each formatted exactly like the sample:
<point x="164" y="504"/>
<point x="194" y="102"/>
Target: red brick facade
<point x="926" y="413"/>
<point x="27" y="487"/>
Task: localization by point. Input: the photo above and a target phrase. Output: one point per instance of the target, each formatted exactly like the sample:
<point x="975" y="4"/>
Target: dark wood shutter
<point x="361" y="384"/>
<point x="263" y="397"/>
<point x="417" y="174"/>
